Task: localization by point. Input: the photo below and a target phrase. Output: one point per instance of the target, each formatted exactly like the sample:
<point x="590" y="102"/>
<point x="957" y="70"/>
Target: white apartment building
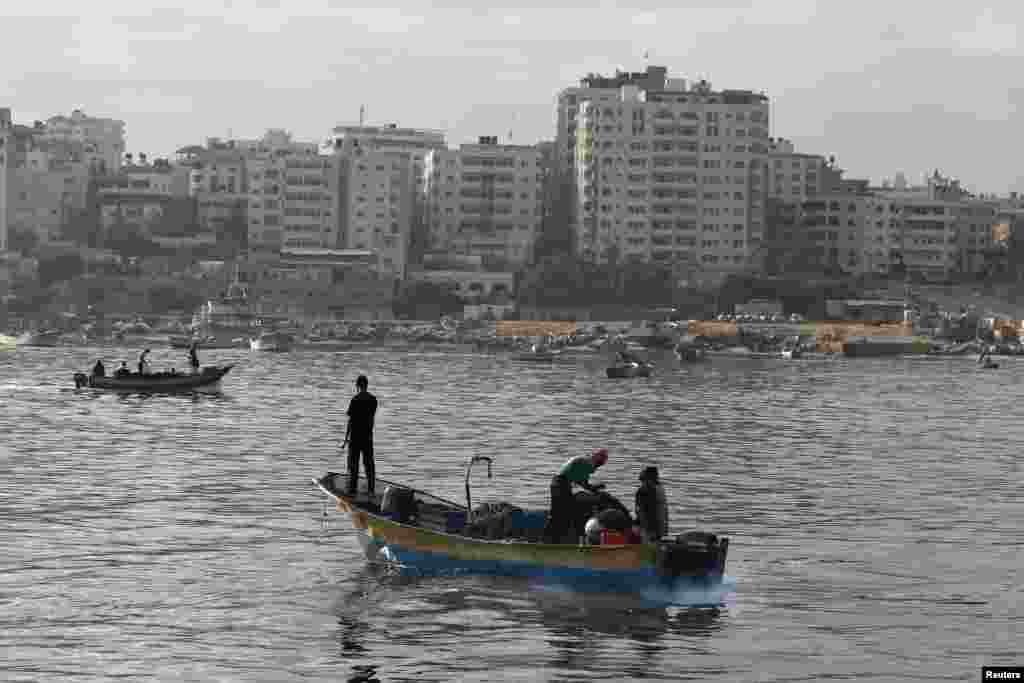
<point x="485" y="200"/>
<point x="94" y="139"/>
<point x="595" y="87"/>
<point x="375" y="204"/>
<point x="380" y="188"/>
<point x="672" y="176"/>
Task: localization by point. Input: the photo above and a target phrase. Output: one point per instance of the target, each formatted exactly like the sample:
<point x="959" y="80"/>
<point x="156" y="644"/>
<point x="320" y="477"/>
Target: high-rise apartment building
<point x="381" y="188"/>
<point x="596" y="88"/>
<point x="671" y="176"/>
<point x="485" y="200"/>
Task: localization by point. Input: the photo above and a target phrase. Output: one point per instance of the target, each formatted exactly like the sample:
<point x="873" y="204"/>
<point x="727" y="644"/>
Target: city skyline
<point x="877" y="90"/>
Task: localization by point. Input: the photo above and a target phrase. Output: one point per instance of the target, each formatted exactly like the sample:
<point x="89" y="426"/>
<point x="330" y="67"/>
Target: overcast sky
<point x="889" y="86"/>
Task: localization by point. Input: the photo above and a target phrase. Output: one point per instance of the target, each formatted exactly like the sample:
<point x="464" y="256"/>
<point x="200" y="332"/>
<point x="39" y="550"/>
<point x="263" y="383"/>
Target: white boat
<point x="271" y="341"/>
<point x="41" y="338"/>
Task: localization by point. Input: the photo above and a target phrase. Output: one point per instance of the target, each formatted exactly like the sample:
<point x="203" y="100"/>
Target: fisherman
<point x="143" y="363"/>
<point x="359" y="436"/>
<point x="98" y="370"/>
<point x="123" y="371"/>
<point x="562" y="516"/>
<point x="193" y="357"/>
<point x="651" y="506"/>
<point x="983" y="358"/>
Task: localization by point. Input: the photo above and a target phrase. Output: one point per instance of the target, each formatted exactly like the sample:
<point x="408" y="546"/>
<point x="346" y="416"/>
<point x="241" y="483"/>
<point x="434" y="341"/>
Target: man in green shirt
<point x="561" y="519"/>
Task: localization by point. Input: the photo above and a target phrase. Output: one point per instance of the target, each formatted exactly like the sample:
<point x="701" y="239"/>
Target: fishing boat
<point x="536" y="353"/>
<point x="627" y="370"/>
<point x="415" y="529"/>
<point x="47" y="338"/>
<point x="158" y="382"/>
<point x="271" y="341"/>
<point x="690" y="353"/>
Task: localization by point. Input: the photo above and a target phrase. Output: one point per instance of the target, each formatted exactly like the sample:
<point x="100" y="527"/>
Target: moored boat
<point x="271" y="341"/>
<point x="629" y="370"/>
<point x="690" y="353"/>
<point x="536" y="353"/>
<point x="41" y="338"/>
<point x="415" y="529"/>
<point x="207" y="380"/>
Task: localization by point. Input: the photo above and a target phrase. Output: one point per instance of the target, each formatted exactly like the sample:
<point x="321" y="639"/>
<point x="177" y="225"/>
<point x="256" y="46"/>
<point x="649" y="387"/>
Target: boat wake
<point x="690" y="595"/>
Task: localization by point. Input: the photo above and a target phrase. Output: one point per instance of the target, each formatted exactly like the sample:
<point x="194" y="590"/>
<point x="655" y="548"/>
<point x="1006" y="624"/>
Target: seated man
<point x="651" y="506"/>
<point x="123" y="371"/>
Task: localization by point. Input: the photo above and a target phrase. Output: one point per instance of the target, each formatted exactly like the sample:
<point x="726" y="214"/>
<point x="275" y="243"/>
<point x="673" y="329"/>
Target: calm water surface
<point x="874" y="507"/>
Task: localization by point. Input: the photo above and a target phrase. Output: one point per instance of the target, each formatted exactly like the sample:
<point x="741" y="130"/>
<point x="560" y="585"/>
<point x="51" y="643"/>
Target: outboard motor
<point x="81" y="380"/>
<point x="695" y="555"/>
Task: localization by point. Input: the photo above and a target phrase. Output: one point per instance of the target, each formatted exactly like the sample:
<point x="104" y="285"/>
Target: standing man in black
<point x="359" y="435"/>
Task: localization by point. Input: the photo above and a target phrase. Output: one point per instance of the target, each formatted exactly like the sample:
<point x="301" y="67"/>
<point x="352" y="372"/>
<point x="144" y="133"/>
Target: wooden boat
<point x="48" y="338"/>
<point x="207" y="380"/>
<point x="429" y="533"/>
<point x="690" y="354"/>
<point x="629" y="370"/>
<point x="536" y="354"/>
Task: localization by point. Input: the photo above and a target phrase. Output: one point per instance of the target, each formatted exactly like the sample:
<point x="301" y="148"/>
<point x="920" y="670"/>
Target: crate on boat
<point x="455" y="521"/>
<point x="610" y="537"/>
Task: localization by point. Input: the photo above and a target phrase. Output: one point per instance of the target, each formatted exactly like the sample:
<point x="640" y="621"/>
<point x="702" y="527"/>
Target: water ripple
<point x="874" y="508"/>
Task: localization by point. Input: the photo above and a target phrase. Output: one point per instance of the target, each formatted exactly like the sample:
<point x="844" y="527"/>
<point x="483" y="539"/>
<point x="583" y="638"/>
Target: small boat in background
<point x="627" y="370"/>
<point x="158" y="382"/>
<point x="271" y="341"/>
<point x="537" y="352"/>
<point x="690" y="353"/>
<point x="41" y="338"/>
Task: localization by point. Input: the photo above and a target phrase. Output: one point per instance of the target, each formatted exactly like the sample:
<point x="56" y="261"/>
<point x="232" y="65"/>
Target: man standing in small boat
<point x="193" y="357"/>
<point x="359" y="436"/>
<point x="562" y="516"/>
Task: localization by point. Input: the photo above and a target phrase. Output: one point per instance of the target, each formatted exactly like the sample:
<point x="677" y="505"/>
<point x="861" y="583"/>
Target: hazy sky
<point x="885" y="86"/>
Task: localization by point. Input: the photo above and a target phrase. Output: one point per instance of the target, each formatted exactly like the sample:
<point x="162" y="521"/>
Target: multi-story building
<point x="280" y="192"/>
<point x="485" y="200"/>
<point x="673" y="177"/>
<point x="380" y="188"/>
<point x="140" y="195"/>
<point x="316" y="285"/>
<point x="795" y="177"/>
<point x="38" y="191"/>
<point x="96" y="141"/>
<point x="934" y="230"/>
<point x="217" y="182"/>
<point x="597" y="88"/>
